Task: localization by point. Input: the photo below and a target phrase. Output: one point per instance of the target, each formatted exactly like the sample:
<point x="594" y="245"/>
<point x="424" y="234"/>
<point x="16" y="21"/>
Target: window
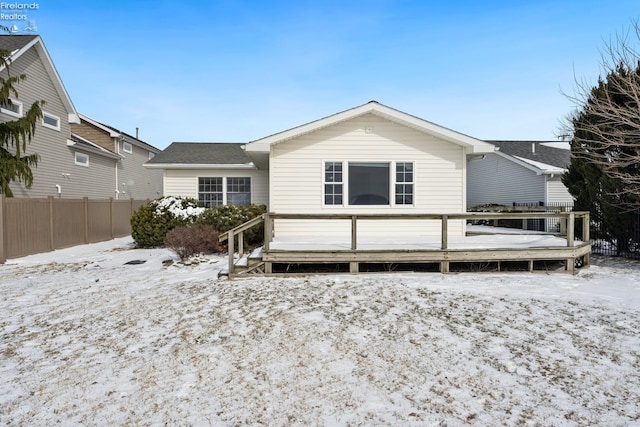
<point x="239" y="191"/>
<point x="50" y="121"/>
<point x="127" y="147"/>
<point x="210" y="191"/>
<point x="151" y="155"/>
<point x="404" y="183"/>
<point x="369" y="184"/>
<point x="82" y="159"/>
<point x="333" y="183"/>
<point x="14" y="108"/>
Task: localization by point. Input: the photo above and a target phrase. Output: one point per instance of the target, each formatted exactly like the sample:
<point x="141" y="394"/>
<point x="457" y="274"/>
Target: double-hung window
<point x="404" y="183"/>
<point x="333" y="183"/>
<point x="210" y="191"/>
<point x="239" y="191"/>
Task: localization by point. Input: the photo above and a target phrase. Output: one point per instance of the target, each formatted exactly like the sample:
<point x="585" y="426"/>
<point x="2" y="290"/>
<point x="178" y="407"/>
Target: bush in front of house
<point x="151" y="222"/>
<point x="193" y="239"/>
<point x="225" y="218"/>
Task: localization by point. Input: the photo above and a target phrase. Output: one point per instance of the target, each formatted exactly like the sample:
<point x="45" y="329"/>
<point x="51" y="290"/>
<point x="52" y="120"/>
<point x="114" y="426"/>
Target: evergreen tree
<point x="15" y="135"/>
<point x="604" y="174"/>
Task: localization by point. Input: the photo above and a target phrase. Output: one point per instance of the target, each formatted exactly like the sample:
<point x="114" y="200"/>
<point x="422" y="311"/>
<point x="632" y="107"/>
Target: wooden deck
<point x="443" y="251"/>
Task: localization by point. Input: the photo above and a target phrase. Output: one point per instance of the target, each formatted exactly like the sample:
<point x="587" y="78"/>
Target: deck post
<point x="354" y="267"/>
<point x="444" y="267"/>
<point x="268" y="231"/>
<point x="241" y="244"/>
<point x="354" y="234"/>
<point x="230" y="250"/>
<point x="586" y="236"/>
<point x="571" y="226"/>
<point x="444" y="232"/>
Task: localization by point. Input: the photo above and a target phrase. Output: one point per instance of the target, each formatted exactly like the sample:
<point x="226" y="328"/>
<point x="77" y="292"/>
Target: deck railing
<point x="567" y="219"/>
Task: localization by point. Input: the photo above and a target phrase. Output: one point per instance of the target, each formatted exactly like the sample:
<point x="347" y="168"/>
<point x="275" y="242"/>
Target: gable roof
<point x="543" y="157"/>
<point x="17" y="45"/>
<point x="373" y="107"/>
<point x="116" y="133"/>
<point x="201" y="155"/>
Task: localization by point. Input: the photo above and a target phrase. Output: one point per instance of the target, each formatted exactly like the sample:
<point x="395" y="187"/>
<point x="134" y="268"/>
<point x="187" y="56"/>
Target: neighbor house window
<point x="404" y="183"/>
<point x="210" y="191"/>
<point x="151" y="155"/>
<point x="368" y="183"/>
<point x="14" y="108"/>
<point x="50" y="121"/>
<point x="82" y="159"/>
<point x="333" y="183"/>
<point x="239" y="191"/>
<point x="127" y="147"/>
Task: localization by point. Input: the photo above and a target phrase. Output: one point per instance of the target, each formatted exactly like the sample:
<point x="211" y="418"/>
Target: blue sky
<point x="235" y="71"/>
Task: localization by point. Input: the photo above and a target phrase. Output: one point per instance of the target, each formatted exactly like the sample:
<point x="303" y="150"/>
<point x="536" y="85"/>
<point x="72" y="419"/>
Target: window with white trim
<point x="404" y="183"/>
<point x="368" y="183"/>
<point x="333" y="183"/>
<point x="151" y="155"/>
<point x="239" y="191"/>
<point x="50" y="121"/>
<point x="127" y="147"/>
<point x="210" y="191"/>
<point x="12" y="108"/>
<point x="81" y="159"/>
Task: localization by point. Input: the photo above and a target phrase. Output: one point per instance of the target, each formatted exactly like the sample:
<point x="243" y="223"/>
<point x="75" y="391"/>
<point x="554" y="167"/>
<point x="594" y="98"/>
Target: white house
<point x="520" y="172"/>
<point x="368" y="159"/>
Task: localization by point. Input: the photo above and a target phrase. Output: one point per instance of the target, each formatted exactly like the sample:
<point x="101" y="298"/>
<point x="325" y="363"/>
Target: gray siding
<point x="495" y="179"/>
<point x="56" y="158"/>
<point x="134" y="180"/>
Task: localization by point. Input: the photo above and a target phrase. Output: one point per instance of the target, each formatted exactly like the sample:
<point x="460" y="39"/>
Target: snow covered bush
<point x="151" y="222"/>
<point x="224" y="218"/>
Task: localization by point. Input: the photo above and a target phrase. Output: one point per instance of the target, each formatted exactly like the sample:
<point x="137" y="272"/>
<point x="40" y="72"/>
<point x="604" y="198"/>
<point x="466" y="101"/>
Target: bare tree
<point x="605" y="128"/>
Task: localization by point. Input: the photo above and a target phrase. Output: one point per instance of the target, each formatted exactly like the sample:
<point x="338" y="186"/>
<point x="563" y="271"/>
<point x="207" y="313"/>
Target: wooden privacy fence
<point x="30" y="226"/>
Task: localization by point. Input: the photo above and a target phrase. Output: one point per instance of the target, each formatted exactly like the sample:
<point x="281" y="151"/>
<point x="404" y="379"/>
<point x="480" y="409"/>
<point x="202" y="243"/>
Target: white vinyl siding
<point x="184" y="182"/>
<point x="297" y="171"/>
<point x="134" y="180"/>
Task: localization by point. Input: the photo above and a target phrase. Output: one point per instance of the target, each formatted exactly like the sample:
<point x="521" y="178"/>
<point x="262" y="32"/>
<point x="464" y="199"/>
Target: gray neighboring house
<point x="215" y="173"/>
<point x="73" y="163"/>
<point x="523" y="172"/>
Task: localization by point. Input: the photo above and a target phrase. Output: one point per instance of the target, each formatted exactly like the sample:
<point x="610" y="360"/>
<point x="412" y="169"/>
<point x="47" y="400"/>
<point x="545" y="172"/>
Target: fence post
<point x="85" y="203"/>
<point x="111" y="217"/>
<point x="3" y="235"/>
<point x="52" y="243"/>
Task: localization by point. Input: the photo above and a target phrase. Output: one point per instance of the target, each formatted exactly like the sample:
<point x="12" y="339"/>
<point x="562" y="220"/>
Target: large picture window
<point x="369" y="183"/>
<point x="333" y="183"/>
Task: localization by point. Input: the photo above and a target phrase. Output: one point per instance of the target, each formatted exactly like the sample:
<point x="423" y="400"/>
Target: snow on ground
<point x="90" y="340"/>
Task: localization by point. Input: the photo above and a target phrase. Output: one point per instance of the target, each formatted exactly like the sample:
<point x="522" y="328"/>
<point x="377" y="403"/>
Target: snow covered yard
<point x="90" y="340"/>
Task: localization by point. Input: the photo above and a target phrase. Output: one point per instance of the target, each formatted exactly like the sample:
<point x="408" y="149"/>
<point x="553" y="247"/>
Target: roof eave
<point x="473" y="145"/>
<point x="199" y="166"/>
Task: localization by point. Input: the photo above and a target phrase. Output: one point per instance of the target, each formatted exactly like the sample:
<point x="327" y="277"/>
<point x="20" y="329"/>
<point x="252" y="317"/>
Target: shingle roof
<point x="545" y="152"/>
<point x="202" y="153"/>
<point x="13" y="42"/>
